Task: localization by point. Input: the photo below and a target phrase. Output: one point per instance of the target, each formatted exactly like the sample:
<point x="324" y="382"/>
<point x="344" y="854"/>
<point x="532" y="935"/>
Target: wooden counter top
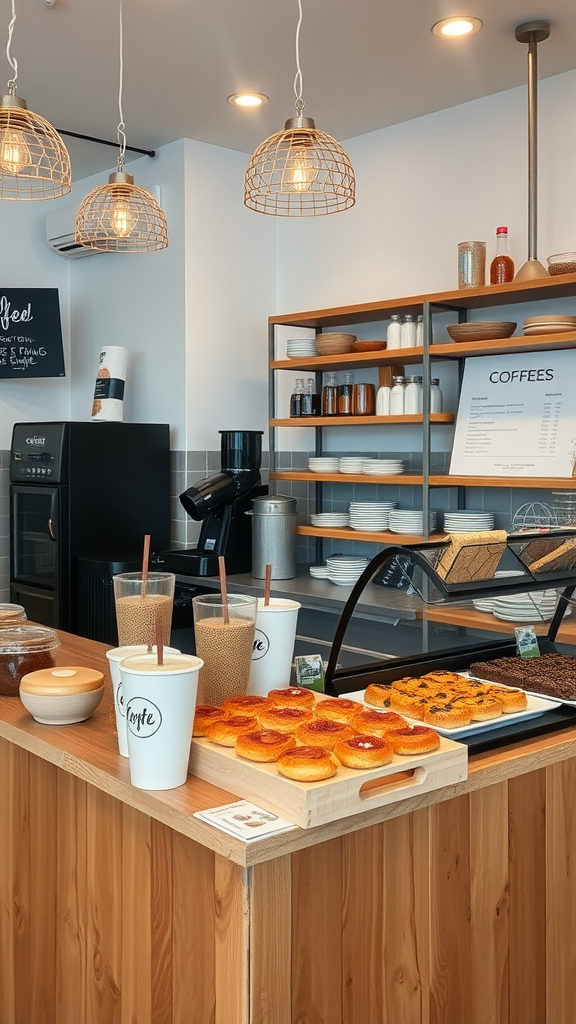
<point x="89" y="752"/>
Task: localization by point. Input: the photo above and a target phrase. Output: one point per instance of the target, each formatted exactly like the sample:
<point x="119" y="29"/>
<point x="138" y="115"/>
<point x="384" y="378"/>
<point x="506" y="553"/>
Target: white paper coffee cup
<point x="273" y="648"/>
<point x="115" y="656"/>
<point x="160" y="702"/>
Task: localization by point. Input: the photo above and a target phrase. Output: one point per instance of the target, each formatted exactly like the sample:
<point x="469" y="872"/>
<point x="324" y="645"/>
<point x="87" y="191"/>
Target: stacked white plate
<point x="370" y="516"/>
<point x="550" y="323"/>
<point x="468" y="521"/>
<point x="319" y="572"/>
<point x="534" y="607"/>
<point x="410" y="521"/>
<point x="352" y="464"/>
<point x="323" y="464"/>
<point x="486" y="604"/>
<point x="344" y="570"/>
<point x="382" y="467"/>
<point x="298" y="347"/>
<point x="329" y="519"/>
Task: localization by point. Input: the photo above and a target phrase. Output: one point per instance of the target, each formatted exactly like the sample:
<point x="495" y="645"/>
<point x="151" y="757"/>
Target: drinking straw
<point x="267" y="585"/>
<point x="145" y="558"/>
<point x="222" y="574"/>
<point x="159" y="642"/>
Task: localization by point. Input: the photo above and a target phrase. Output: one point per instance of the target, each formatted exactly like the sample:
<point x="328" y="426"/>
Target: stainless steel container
<point x="274" y="536"/>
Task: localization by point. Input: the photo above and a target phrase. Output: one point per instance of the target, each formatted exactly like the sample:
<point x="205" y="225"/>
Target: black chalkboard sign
<point x="30" y="333"/>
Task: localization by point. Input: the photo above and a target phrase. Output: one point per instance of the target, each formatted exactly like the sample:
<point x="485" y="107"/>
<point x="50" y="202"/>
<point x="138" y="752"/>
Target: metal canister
<point x="274" y="536"/>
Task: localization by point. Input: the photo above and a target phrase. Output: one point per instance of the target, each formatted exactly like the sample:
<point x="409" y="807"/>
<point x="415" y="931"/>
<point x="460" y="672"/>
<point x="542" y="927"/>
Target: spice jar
<point x="393" y="332"/>
<point x="24" y="649"/>
<point x="408" y="332"/>
<point x="330" y="396"/>
<point x="345" y="395"/>
<point x="363" y="400"/>
<point x="471" y="264"/>
<point x="411" y="396"/>
<point x="296" y="397"/>
<point x="397" y="397"/>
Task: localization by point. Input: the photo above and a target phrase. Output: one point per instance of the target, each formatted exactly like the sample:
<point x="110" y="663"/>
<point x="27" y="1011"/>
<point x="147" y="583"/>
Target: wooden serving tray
<point x="349" y="792"/>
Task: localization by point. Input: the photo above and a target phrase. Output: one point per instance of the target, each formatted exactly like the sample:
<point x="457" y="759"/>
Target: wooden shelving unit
<point x="460" y="303"/>
<point x="382" y="537"/>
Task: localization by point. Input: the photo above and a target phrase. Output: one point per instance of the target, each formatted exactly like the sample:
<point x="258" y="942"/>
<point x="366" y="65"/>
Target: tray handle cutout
<point x="392" y="783"/>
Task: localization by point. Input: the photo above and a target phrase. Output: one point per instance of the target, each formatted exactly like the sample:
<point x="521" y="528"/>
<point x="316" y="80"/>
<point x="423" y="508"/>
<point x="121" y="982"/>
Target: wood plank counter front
<point x="118" y="907"/>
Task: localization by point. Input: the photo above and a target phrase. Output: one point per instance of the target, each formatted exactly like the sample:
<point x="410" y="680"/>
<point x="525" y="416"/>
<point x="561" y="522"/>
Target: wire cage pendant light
<point x="301" y="171"/>
<point x="120" y="216"/>
<point x="34" y="162"/>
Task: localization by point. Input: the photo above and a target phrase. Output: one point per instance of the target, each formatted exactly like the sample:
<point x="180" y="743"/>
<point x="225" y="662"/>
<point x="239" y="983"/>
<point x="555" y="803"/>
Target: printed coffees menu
<point x="517" y="416"/>
<point x="30" y="333"/>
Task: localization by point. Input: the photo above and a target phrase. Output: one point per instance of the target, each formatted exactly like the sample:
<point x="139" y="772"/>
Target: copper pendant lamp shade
<point x="300" y="172"/>
<point x="121" y="217"/>
<point x="34" y="162"/>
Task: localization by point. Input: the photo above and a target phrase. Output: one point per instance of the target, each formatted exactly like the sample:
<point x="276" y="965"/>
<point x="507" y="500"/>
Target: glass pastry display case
<point x="530" y="577"/>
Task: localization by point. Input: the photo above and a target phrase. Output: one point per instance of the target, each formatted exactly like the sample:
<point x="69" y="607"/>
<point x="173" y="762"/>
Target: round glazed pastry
<point x="292" y="697"/>
<point x="284" y="719"/>
<point x="377" y="723"/>
<point x="483" y="708"/>
<point x="322" y="732"/>
<point x="402" y="702"/>
<point x="445" y="678"/>
<point x="416" y="740"/>
<point x="245" y="705"/>
<point x="512" y="699"/>
<point x="226" y="730"/>
<point x="307" y="764"/>
<point x="204" y="715"/>
<point x="263" y="744"/>
<point x="364" y="751"/>
<point x="448" y="715"/>
<point x="378" y="694"/>
<point x="337" y="709"/>
<point x="406" y="683"/>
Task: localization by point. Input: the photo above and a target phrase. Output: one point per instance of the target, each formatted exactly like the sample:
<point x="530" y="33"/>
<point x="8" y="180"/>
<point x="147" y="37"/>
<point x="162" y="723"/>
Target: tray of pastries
<point x="316" y="759"/>
<point x="456" y="704"/>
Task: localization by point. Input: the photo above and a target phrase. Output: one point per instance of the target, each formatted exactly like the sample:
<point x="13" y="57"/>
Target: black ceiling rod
<point x="105" y="142"/>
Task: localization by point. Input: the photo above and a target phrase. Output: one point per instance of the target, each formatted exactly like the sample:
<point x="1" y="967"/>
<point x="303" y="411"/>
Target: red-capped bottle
<point x="502" y="266"/>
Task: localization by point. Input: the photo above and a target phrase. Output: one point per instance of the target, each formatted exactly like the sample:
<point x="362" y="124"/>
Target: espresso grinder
<point x="220" y="503"/>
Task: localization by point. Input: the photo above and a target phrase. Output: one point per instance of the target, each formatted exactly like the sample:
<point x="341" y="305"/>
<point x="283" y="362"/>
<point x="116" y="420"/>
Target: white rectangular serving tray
<point x="349" y="792"/>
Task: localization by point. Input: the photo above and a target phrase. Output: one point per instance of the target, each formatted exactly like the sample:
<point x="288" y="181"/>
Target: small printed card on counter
<point x="310" y="672"/>
<point x="245" y="820"/>
<point x="527" y="642"/>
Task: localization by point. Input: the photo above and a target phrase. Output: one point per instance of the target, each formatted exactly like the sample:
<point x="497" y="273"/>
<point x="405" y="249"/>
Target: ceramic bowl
<point x="63" y="695"/>
<point x="562" y="263"/>
<point x="368" y="346"/>
<point x="481" y="330"/>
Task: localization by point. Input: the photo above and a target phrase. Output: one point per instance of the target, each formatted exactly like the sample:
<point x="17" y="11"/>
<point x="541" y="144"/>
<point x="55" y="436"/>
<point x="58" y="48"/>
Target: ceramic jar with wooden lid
<point x="63" y="695"/>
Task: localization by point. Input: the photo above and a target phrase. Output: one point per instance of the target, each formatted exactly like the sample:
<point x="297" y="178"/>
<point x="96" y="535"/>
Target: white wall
<point x="26" y="262"/>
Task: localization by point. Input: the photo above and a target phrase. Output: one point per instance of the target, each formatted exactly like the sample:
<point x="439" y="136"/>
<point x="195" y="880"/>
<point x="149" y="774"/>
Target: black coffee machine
<point x="221" y="503"/>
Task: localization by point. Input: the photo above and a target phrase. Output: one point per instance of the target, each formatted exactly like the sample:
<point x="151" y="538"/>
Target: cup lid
<point x="274" y="505"/>
<point x="19" y="639"/>
<point x="65" y="680"/>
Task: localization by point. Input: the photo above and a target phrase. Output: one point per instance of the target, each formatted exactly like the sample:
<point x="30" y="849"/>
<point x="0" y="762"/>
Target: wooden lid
<point x="62" y="680"/>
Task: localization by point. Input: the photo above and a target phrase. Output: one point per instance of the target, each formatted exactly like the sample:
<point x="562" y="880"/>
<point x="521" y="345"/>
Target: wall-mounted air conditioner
<point x="60" y="234"/>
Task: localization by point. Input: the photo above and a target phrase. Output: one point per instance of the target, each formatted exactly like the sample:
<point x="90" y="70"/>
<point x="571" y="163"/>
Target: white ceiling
<point x="366" y="64"/>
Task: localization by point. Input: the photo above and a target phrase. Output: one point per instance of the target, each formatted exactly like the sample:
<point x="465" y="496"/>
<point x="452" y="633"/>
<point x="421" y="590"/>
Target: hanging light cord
<point x="121" y="125"/>
<point x="298" y="76"/>
<point x="12" y="60"/>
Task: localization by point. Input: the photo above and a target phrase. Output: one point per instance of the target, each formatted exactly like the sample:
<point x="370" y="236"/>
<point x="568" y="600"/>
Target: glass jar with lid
<point x="393" y="332"/>
<point x="411" y="392"/>
<point x="330" y="396"/>
<point x="24" y="649"/>
<point x="408" y="332"/>
<point x="345" y="395"/>
<point x="397" y="397"/>
<point x="435" y="395"/>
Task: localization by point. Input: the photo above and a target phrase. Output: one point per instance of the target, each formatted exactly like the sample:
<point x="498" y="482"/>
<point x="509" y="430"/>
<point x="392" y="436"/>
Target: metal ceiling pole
<point x="532" y="32"/>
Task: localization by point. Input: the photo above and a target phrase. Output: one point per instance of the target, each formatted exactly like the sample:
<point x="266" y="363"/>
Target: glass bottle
<point x="345" y="395"/>
<point x="408" y="332"/>
<point x="411" y="396"/>
<point x="296" y="397"/>
<point x="309" y="400"/>
<point x="397" y="397"/>
<point x="330" y="396"/>
<point x="435" y="395"/>
<point x="393" y="332"/>
<point x="419" y="331"/>
<point x="502" y="266"/>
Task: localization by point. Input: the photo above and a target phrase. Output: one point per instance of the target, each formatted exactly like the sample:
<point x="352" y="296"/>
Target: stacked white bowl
<point x="410" y="521"/>
<point x="486" y="604"/>
<point x="382" y="467"/>
<point x="352" y="464"/>
<point x="296" y="348"/>
<point x="344" y="570"/>
<point x="319" y="572"/>
<point x="323" y="464"/>
<point x="468" y="521"/>
<point x="538" y="606"/>
<point x="329" y="519"/>
<point x="371" y="516"/>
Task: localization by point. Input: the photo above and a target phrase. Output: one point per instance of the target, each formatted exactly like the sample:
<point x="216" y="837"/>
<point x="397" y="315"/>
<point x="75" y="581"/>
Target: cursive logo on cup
<point x="120" y="701"/>
<point x="261" y="645"/>
<point x="143" y="717"/>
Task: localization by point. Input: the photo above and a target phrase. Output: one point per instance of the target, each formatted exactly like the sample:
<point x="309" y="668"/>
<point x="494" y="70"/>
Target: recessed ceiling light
<point x="247" y="99"/>
<point x="455" y="27"/>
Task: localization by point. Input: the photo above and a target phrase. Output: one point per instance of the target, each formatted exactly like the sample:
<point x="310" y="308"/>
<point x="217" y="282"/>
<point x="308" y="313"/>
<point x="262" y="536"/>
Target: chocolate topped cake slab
<point x="550" y="675"/>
